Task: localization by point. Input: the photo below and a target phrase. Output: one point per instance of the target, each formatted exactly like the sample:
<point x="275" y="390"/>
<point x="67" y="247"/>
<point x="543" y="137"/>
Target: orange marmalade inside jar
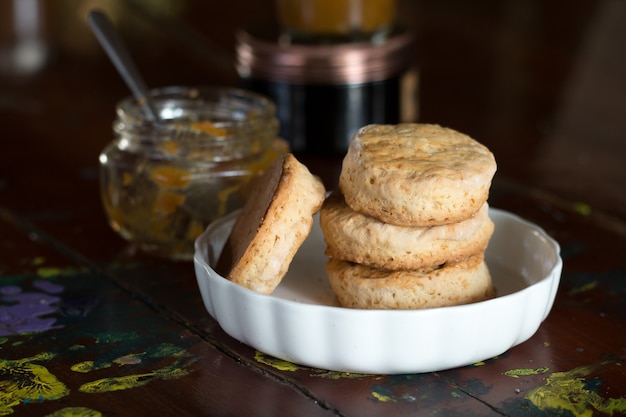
<point x="302" y="18"/>
<point x="162" y="184"/>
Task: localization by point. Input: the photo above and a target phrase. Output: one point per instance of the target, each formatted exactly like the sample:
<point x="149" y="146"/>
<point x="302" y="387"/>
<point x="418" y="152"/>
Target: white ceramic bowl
<point x="301" y="321"/>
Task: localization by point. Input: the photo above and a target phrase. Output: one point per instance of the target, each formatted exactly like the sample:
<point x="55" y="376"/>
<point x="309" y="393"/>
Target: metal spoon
<point x="106" y="34"/>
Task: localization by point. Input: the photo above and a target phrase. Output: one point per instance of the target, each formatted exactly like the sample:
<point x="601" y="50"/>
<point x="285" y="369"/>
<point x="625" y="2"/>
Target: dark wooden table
<point x="89" y="326"/>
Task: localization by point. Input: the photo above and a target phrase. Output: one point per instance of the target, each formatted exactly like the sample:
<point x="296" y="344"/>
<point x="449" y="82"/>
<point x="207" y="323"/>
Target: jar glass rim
<point x="229" y="107"/>
<point x="231" y="113"/>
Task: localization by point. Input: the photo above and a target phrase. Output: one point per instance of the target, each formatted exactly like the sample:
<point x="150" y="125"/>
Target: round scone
<point x="276" y="219"/>
<point x="360" y="286"/>
<point x="356" y="237"/>
<point x="415" y="174"/>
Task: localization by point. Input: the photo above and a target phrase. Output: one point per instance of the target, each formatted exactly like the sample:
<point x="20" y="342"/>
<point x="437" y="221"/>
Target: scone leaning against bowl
<point x="276" y="219"/>
<point x="414" y="174"/>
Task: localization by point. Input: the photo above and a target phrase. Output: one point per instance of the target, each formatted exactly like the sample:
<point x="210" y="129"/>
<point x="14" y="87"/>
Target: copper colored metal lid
<point x="263" y="54"/>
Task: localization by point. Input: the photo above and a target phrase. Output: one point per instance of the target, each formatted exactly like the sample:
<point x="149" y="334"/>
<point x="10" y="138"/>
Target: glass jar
<point x="163" y="182"/>
<point x="325" y="92"/>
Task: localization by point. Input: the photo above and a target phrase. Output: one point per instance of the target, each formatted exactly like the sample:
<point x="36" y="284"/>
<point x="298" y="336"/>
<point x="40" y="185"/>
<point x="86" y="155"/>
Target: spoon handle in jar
<point x="118" y="54"/>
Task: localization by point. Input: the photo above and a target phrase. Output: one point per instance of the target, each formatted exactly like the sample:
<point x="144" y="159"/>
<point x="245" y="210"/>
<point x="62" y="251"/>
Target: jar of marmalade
<point x="162" y="182"/>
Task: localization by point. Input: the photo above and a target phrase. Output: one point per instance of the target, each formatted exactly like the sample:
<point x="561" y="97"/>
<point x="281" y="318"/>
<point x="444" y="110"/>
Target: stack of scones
<point x="409" y="224"/>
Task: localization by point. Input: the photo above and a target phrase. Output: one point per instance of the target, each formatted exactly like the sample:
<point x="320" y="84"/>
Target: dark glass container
<point x="325" y="92"/>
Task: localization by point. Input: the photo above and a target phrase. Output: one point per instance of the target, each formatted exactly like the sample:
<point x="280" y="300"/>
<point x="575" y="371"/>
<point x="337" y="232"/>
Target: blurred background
<point x="521" y="76"/>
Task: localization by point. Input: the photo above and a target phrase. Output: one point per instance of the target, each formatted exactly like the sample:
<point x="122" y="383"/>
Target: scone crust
<point x="274" y="222"/>
<point x="414" y="174"/>
<point x="356" y="237"/>
<point x="362" y="287"/>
